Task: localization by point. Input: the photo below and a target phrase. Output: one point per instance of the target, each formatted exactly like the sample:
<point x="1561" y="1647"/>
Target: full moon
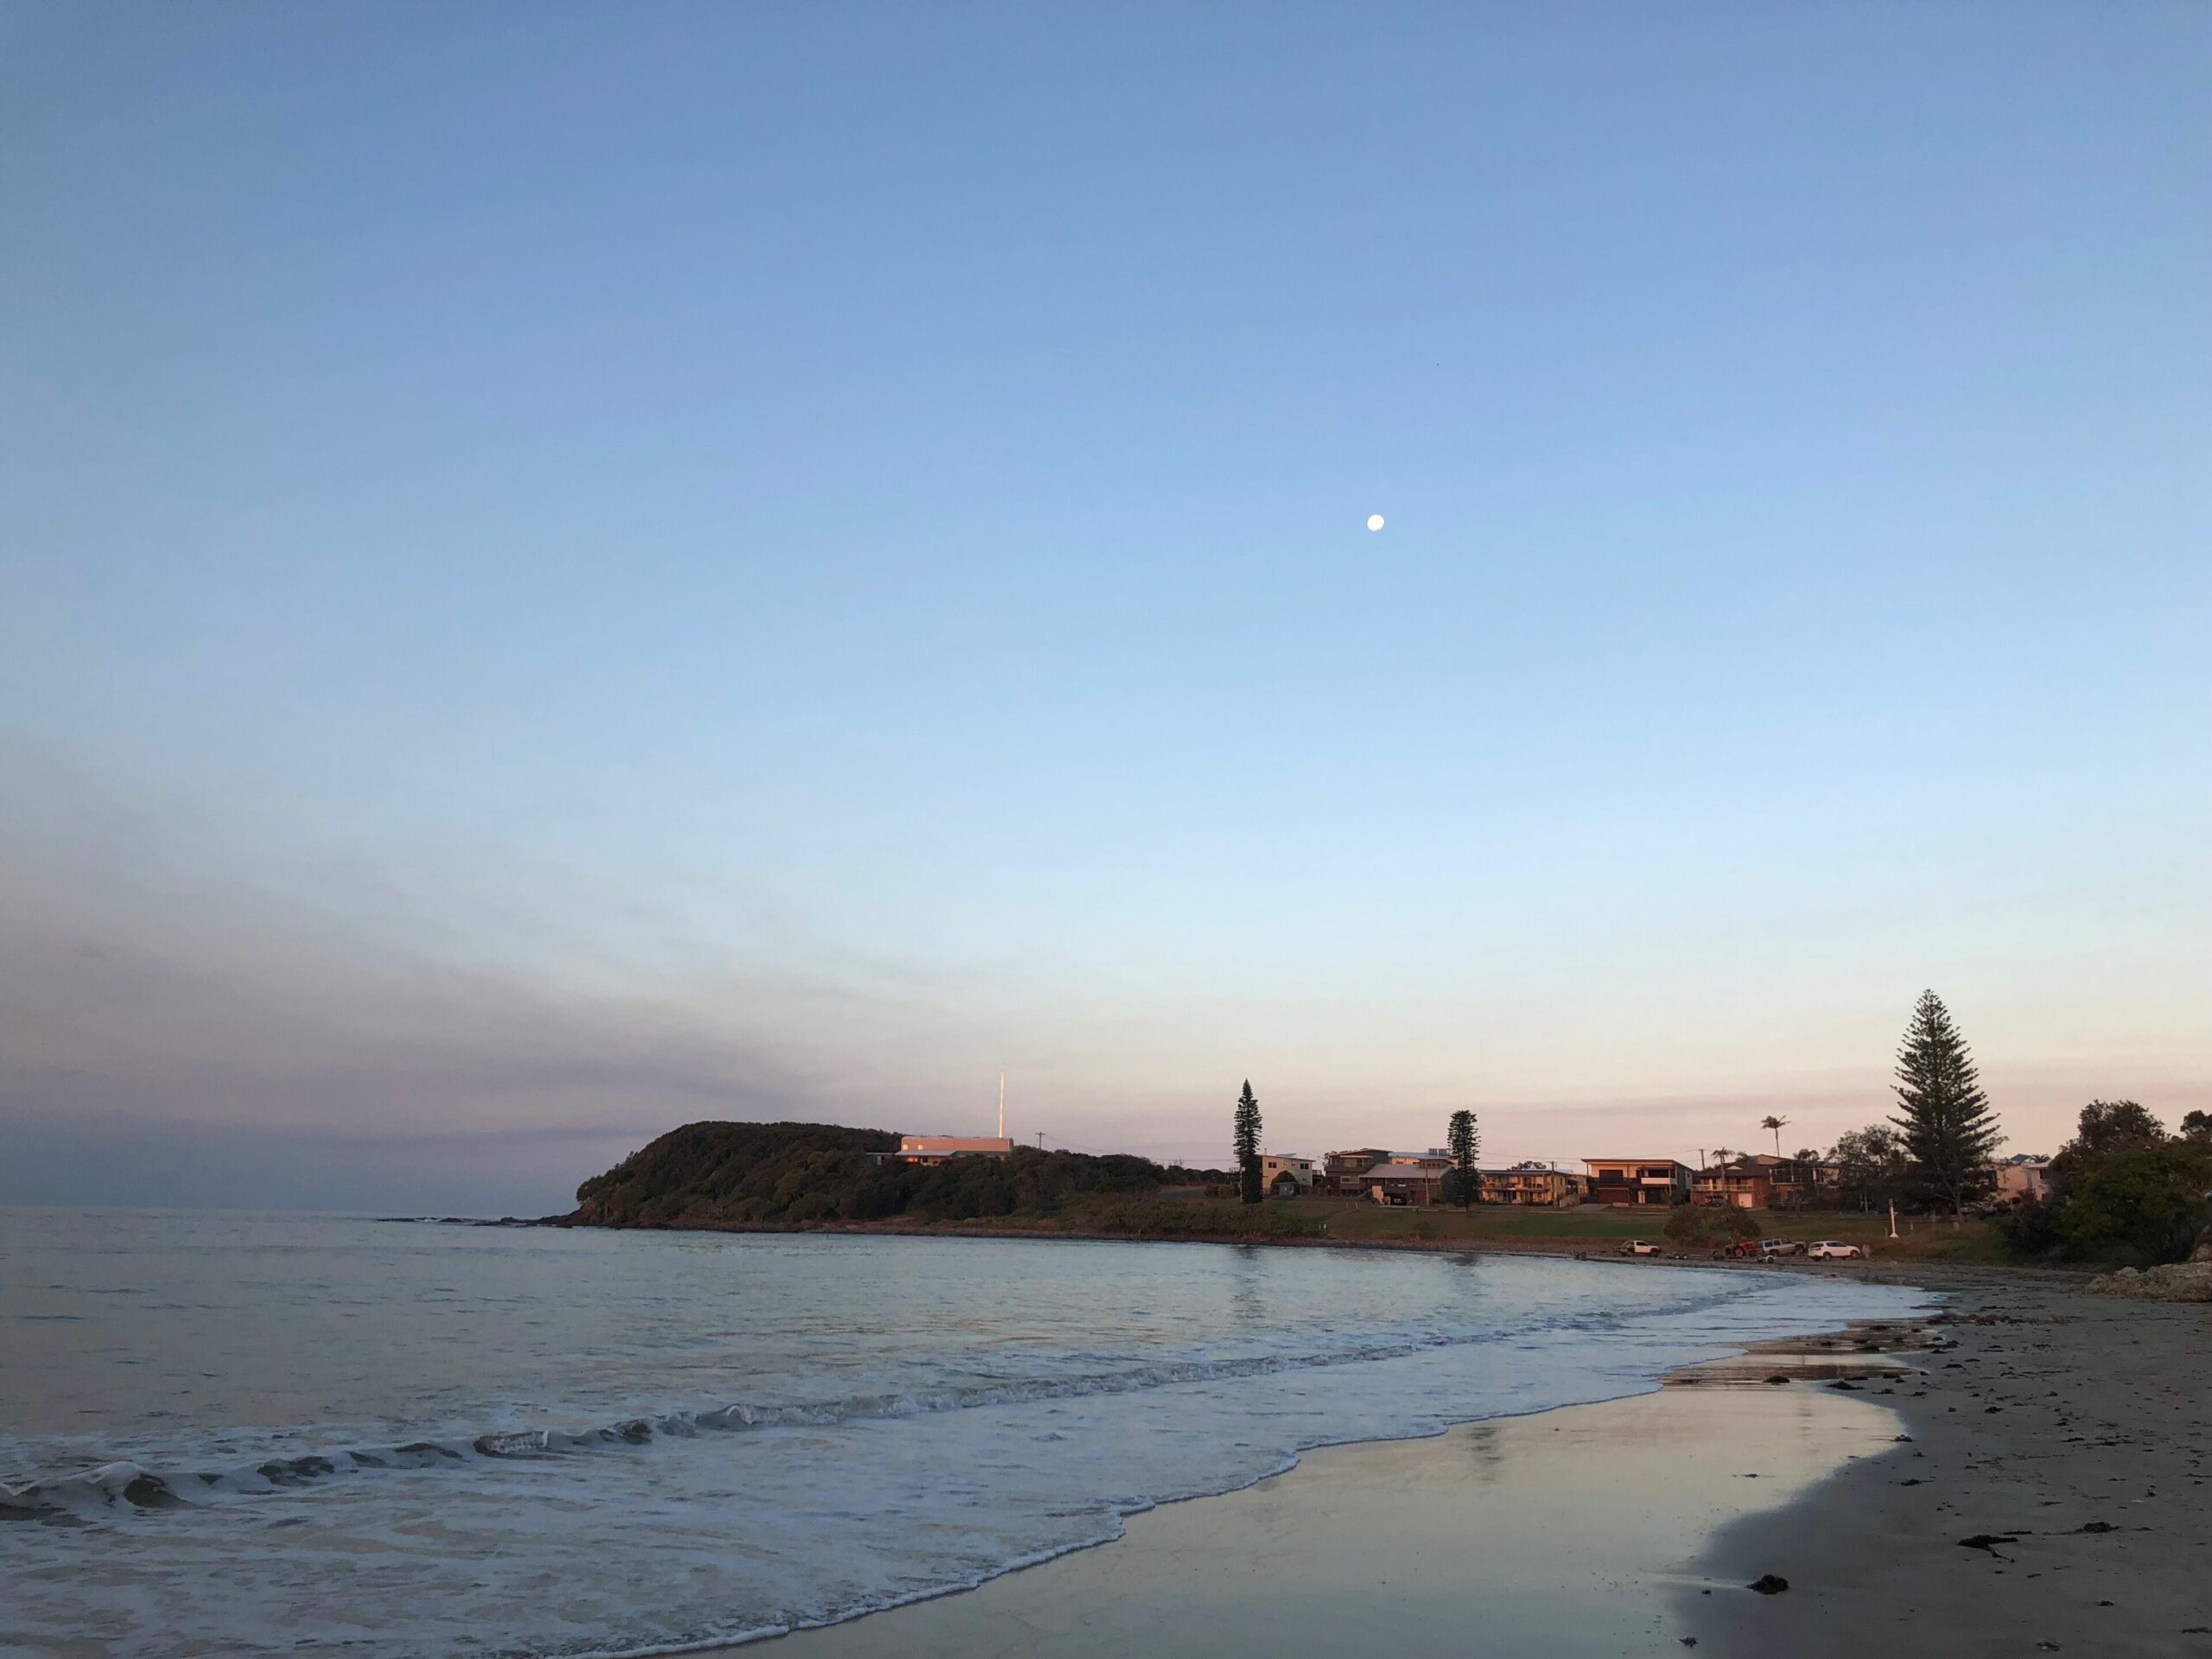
<point x="1374" y="521"/>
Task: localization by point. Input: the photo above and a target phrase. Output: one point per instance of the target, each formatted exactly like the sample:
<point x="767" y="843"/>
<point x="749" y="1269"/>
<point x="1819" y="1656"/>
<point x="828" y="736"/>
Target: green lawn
<point x="1350" y="1218"/>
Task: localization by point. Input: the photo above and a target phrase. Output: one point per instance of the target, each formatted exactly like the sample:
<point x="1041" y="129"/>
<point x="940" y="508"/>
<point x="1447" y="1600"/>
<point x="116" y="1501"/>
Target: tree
<point x="1950" y="1134"/>
<point x="2105" y="1128"/>
<point x="1465" y="1142"/>
<point x="2196" y="1128"/>
<point x="2146" y="1203"/>
<point x="1872" y="1165"/>
<point x="1248" y="1143"/>
<point x="1777" y="1125"/>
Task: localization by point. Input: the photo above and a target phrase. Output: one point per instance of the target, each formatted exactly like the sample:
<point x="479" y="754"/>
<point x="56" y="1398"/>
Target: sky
<point x="567" y="570"/>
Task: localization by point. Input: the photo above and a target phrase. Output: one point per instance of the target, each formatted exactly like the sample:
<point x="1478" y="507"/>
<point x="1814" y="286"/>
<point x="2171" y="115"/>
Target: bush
<point x="1711" y="1223"/>
<point x="2031" y="1229"/>
<point x="2144" y="1205"/>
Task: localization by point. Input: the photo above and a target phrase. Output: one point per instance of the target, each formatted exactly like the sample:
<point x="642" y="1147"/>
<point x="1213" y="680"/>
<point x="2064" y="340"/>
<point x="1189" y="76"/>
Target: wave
<point x="126" y="1487"/>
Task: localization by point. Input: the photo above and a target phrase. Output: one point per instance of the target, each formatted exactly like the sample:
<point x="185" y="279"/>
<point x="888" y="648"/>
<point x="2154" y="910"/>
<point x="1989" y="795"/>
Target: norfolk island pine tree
<point x="1950" y="1134"/>
<point x="1248" y="1145"/>
<point x="1465" y="1142"/>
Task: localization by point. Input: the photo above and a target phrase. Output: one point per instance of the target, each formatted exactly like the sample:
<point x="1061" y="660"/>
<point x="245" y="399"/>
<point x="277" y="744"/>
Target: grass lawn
<point x="1599" y="1226"/>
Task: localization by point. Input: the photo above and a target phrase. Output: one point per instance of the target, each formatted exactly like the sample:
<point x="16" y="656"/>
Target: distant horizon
<point x="558" y="580"/>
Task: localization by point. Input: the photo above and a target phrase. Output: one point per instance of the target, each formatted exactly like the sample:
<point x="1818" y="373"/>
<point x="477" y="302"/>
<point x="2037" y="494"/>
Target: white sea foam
<point x="576" y="1444"/>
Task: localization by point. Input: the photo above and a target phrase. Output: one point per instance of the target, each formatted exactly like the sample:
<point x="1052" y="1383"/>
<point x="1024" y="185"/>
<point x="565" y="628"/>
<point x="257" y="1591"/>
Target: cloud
<point x="186" y="1018"/>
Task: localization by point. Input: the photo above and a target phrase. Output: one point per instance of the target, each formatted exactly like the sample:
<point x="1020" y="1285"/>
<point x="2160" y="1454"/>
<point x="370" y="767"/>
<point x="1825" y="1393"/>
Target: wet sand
<point x="1557" y="1533"/>
<point x="1637" y="1526"/>
<point x="2077" y="1429"/>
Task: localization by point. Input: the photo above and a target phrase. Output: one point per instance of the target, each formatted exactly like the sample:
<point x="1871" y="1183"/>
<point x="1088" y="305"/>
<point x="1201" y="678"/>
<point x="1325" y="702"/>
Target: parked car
<point x="1773" y="1249"/>
<point x="1834" y="1249"/>
<point x="1640" y="1247"/>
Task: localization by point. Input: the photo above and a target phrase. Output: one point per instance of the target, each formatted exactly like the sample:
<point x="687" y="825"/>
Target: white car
<point x="1834" y="1249"/>
<point x="1640" y="1246"/>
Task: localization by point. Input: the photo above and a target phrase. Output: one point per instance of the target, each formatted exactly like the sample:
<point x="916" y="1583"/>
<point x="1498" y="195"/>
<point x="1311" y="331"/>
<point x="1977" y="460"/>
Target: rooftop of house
<point x="1536" y="1169"/>
<point x="955" y="1143"/>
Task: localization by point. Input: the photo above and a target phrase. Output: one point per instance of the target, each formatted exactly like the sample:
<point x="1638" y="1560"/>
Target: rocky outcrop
<point x="2178" y="1281"/>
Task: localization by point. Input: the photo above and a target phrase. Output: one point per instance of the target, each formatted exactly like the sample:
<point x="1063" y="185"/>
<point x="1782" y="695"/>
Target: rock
<point x="1769" y="1584"/>
<point x="2178" y="1281"/>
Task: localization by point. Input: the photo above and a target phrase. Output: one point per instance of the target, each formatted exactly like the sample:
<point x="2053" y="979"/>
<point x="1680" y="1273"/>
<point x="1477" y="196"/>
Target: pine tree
<point x="1950" y="1134"/>
<point x="1465" y="1142"/>
<point x="1248" y="1143"/>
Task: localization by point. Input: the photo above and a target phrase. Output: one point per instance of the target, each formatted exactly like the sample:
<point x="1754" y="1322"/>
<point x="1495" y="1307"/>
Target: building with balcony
<point x="1536" y="1185"/>
<point x="1654" y="1181"/>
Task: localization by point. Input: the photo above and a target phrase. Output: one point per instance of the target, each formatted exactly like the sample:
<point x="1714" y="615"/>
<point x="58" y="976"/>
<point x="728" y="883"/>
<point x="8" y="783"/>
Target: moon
<point x="1374" y="521"/>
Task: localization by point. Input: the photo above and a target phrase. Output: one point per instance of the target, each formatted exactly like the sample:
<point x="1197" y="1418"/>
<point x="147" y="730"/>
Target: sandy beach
<point x="2071" y="1429"/>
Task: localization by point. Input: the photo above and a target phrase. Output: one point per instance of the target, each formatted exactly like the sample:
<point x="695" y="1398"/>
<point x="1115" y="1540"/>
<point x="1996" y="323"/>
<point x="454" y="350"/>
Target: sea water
<point x="260" y="1434"/>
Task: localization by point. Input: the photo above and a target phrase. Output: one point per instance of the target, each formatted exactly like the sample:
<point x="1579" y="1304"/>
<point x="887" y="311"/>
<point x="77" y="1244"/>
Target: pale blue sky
<point x="566" y="569"/>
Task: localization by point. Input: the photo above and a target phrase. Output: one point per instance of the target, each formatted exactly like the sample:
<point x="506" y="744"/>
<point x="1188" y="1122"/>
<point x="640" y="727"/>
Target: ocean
<point x="241" y="1435"/>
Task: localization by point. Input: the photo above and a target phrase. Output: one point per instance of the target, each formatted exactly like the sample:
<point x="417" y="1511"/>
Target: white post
<point x="1002" y="1103"/>
<point x="1893" y="1217"/>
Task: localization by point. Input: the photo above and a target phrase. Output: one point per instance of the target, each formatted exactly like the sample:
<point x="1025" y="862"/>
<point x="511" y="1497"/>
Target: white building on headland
<point x="937" y="1148"/>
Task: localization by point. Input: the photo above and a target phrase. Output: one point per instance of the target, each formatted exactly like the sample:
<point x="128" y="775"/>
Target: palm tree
<point x="1777" y="1124"/>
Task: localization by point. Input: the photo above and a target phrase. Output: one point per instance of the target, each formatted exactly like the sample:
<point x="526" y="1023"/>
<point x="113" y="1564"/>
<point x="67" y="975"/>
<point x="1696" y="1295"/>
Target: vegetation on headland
<point x="2123" y="1190"/>
<point x="792" y="1175"/>
<point x="813" y="1176"/>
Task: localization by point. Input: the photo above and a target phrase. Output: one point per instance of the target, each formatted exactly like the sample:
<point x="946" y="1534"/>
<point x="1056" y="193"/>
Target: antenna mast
<point x="1002" y="1103"/>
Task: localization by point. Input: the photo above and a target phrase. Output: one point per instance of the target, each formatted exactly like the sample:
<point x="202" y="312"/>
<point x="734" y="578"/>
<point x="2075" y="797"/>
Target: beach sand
<point x="1637" y="1526"/>
<point x="2055" y="1416"/>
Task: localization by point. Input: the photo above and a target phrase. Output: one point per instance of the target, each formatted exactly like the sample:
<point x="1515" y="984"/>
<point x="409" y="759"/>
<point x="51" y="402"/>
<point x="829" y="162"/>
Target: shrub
<point x="2146" y="1204"/>
<point x="1710" y="1224"/>
<point x="2031" y="1229"/>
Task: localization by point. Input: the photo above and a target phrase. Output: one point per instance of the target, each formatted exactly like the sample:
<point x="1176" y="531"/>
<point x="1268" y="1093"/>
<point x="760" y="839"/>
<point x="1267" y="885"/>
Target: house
<point x="1341" y="1171"/>
<point x="1284" y="1177"/>
<point x="1763" y="1181"/>
<point x="1660" y="1181"/>
<point x="938" y="1149"/>
<point x="1534" y="1183"/>
<point x="1407" y="1181"/>
<point x="2023" y="1178"/>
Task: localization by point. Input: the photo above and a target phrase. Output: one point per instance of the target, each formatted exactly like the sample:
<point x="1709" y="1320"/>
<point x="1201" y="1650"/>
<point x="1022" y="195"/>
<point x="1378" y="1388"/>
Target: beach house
<point x="2023" y="1178"/>
<point x="1283" y="1177"/>
<point x="1342" y="1172"/>
<point x="1407" y="1181"/>
<point x="1534" y="1183"/>
<point x="1660" y="1181"/>
<point x="1763" y="1181"/>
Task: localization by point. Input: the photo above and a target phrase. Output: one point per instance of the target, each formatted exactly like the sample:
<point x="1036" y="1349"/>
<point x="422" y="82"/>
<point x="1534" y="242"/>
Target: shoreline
<point x="1115" y="1587"/>
<point x="2075" y="1431"/>
<point x="1900" y="1270"/>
